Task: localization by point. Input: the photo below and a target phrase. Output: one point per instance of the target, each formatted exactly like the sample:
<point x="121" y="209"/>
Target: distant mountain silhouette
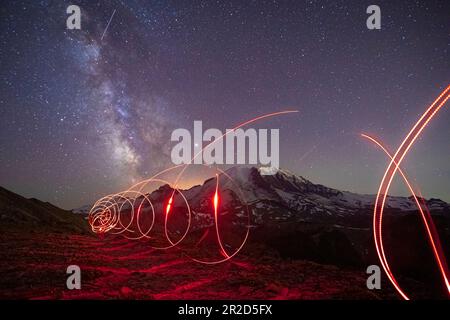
<point x="17" y="212"/>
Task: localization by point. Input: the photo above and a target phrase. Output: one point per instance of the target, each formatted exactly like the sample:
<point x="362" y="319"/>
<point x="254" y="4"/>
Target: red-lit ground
<point x="33" y="266"/>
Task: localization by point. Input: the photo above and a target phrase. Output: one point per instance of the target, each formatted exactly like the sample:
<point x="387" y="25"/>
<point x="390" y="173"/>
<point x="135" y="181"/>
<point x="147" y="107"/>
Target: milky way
<point x="87" y="112"/>
<point x="132" y="125"/>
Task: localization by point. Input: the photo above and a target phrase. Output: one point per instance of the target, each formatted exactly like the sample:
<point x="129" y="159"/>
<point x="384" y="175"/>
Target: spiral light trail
<point x="122" y="213"/>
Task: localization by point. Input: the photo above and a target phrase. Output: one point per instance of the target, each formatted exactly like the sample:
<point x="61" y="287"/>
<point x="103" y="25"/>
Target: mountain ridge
<point x="296" y="193"/>
<point x="18" y="212"/>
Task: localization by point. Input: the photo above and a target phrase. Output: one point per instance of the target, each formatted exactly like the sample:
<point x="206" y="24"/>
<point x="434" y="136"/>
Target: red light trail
<point x="394" y="166"/>
<point x="105" y="216"/>
<point x="121" y="213"/>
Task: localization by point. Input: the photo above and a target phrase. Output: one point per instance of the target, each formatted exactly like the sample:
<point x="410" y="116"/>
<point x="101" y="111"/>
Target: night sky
<point x="83" y="116"/>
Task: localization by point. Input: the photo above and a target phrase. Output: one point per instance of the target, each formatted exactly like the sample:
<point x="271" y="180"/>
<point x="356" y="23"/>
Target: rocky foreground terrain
<point x="34" y="267"/>
<point x="306" y="241"/>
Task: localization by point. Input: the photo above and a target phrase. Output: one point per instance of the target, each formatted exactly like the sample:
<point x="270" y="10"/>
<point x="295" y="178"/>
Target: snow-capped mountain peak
<point x="284" y="195"/>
